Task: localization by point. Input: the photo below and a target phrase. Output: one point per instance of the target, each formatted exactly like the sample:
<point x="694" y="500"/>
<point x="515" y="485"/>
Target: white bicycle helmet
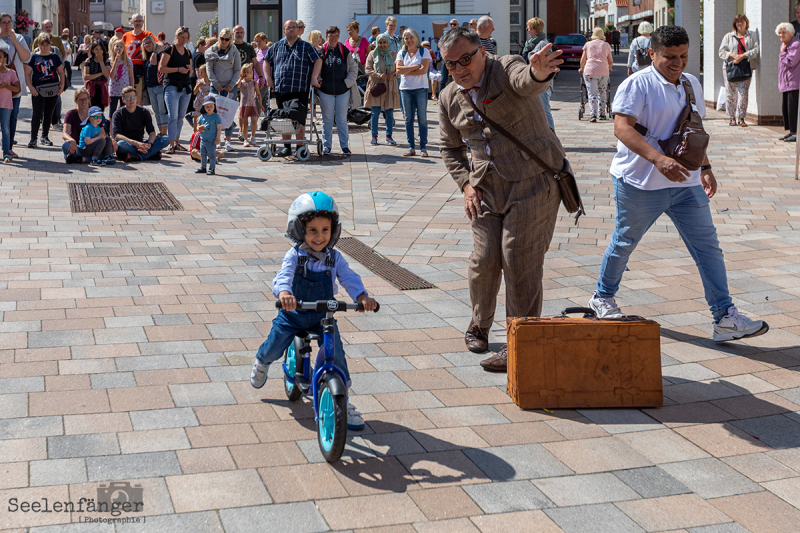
<point x="306" y="203"/>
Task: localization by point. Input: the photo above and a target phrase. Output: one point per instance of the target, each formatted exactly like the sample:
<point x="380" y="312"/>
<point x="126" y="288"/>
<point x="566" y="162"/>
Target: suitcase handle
<point x="574" y="310"/>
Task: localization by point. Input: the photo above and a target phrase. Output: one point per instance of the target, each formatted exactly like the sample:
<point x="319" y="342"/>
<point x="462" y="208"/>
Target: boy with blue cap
<point x="94" y="142"/>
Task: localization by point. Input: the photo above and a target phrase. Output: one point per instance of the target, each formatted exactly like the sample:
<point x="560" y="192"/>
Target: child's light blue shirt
<point x="340" y="271"/>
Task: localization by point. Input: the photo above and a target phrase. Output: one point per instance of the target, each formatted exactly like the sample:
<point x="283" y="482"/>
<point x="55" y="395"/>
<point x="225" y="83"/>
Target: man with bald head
<point x="291" y="66"/>
<point x="485" y="27"/>
<point x="511" y="201"/>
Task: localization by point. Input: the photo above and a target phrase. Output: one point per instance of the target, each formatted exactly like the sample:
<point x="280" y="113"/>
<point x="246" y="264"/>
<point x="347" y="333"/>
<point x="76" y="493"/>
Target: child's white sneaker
<point x="354" y="420"/>
<point x="734" y="326"/>
<point x="258" y="376"/>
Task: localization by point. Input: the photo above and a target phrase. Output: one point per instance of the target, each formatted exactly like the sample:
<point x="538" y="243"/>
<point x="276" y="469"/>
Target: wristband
<point x="705" y="167"/>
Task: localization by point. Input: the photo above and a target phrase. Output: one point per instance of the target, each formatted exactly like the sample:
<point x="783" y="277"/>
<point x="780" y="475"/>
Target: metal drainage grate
<point x="388" y="270"/>
<point x="104" y="197"/>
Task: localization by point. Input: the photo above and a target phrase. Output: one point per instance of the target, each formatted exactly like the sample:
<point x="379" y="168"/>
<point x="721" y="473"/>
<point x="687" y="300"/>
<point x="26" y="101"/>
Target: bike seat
<point x="309" y="335"/>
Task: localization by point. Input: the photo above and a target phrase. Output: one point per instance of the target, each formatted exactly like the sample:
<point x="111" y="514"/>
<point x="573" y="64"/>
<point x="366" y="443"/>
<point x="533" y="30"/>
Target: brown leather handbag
<point x="570" y="195"/>
<point x="377" y="89"/>
<point x="688" y="143"/>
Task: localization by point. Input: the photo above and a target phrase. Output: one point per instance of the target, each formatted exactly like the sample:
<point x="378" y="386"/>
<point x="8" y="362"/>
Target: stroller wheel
<point x="303" y="153"/>
<point x="264" y="153"/>
<point x="319" y="148"/>
<point x="580" y="114"/>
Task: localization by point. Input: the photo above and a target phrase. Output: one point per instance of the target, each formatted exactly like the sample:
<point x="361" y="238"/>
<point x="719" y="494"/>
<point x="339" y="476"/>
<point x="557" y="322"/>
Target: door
<point x="264" y="16"/>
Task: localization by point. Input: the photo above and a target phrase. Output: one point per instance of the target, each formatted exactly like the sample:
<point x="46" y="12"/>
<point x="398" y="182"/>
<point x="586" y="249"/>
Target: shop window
<point x="514" y="19"/>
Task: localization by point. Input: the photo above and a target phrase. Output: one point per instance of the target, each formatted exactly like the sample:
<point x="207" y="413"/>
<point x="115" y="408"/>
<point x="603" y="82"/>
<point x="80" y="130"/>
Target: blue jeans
<point x="284" y="328"/>
<point x="5" y="128"/>
<point x="208" y="150"/>
<point x="232" y="95"/>
<point x="688" y="208"/>
<point x="124" y="147"/>
<point x="334" y="108"/>
<point x="177" y="103"/>
<point x="545" y="96"/>
<point x="415" y="101"/>
<point x="159" y="105"/>
<point x="13" y="121"/>
<point x="388" y="117"/>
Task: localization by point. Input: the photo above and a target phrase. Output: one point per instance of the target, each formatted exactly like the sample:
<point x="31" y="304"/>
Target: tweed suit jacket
<point x="509" y="96"/>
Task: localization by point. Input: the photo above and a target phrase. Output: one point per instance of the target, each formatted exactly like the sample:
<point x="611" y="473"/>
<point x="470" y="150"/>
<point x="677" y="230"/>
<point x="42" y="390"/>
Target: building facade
<point x="74" y="15"/>
<point x="169" y="15"/>
<point x="509" y="16"/>
<point x="118" y="13"/>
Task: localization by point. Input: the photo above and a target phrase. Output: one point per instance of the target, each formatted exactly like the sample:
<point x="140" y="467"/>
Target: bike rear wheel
<point x="332" y="424"/>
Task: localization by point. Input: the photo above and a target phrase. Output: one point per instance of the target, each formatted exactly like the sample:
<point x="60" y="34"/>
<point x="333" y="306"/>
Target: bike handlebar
<point x="329" y="306"/>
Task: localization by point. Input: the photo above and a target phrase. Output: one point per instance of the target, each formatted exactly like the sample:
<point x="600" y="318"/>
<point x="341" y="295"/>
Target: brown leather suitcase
<point x="566" y="362"/>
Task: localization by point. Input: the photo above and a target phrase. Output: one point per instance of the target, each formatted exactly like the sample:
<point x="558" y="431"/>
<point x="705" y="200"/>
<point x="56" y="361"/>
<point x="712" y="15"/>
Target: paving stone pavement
<point x="126" y="341"/>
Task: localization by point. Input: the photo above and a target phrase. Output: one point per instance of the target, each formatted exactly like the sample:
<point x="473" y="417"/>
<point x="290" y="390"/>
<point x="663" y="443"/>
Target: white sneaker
<point x="735" y="326"/>
<point x="258" y="376"/>
<point x="354" y="420"/>
<point x="229" y="147"/>
<point x="605" y="307"/>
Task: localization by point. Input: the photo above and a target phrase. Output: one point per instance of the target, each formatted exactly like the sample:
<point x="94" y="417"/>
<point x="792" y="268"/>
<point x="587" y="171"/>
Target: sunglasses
<point x="98" y="117"/>
<point x="129" y="98"/>
<point x="453" y="24"/>
<point x="225" y="39"/>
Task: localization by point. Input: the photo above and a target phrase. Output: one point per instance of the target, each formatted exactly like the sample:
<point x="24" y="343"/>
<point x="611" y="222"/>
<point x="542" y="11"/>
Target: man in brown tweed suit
<point x="512" y="203"/>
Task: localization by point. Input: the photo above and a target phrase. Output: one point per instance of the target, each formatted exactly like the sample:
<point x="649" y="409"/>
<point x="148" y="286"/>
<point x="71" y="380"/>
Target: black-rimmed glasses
<point x="464" y="61"/>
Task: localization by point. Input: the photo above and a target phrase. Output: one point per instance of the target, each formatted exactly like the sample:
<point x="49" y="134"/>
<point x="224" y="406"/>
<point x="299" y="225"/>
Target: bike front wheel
<point x="293" y="392"/>
<point x="331" y="424"/>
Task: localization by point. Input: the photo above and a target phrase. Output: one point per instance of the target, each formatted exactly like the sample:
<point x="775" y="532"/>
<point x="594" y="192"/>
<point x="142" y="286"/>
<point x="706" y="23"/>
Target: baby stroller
<point x="585" y="99"/>
<point x="288" y="121"/>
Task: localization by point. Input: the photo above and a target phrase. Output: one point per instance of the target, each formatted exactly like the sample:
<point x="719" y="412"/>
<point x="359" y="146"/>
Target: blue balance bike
<point x="325" y="380"/>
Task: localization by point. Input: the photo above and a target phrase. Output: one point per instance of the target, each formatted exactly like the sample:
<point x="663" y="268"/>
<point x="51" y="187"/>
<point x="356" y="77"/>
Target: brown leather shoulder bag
<point x="570" y="195"/>
<point x="688" y="143"/>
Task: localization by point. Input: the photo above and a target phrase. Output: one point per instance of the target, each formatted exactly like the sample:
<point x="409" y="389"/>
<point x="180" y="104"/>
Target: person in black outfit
<point x="176" y="65"/>
<point x="615" y="41"/>
<point x="339" y="72"/>
<point x="96" y="70"/>
<point x="129" y="124"/>
<point x="44" y="76"/>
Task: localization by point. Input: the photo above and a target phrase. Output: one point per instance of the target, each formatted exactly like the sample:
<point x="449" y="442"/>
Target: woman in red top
<point x="356" y="44"/>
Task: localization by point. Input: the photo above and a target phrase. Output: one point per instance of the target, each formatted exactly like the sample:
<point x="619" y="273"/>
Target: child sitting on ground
<point x="250" y="99"/>
<point x="309" y="273"/>
<point x="95" y="144"/>
<point x="210" y="127"/>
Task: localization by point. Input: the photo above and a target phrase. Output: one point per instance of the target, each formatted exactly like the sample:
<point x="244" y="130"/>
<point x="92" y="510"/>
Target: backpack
<point x="643" y="58"/>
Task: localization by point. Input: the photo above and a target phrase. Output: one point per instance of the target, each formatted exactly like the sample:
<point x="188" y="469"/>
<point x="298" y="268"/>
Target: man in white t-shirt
<point x="648" y="184"/>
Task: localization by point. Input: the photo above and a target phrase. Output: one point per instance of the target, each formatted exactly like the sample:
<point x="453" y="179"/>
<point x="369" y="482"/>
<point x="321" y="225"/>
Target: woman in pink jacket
<point x="789" y="78"/>
<point x="596" y="64"/>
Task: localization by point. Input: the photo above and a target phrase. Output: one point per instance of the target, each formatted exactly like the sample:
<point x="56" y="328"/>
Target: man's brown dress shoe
<point x="477" y="338"/>
<point x="497" y="362"/>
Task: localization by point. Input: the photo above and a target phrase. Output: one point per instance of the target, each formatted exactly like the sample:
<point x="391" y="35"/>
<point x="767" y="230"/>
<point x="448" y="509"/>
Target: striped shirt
<point x="490" y="46"/>
<point x="292" y="65"/>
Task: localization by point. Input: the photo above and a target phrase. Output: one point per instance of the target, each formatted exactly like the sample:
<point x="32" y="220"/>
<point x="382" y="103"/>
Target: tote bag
<point x="226" y="109"/>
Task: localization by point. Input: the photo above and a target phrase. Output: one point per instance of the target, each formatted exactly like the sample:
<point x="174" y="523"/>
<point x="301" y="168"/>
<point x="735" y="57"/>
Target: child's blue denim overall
<point x="307" y="286"/>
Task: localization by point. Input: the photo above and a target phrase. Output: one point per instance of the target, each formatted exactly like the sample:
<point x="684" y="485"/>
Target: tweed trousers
<point x="512" y="235"/>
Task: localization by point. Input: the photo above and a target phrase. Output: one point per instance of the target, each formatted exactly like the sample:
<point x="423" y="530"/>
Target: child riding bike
<point x="309" y="272"/>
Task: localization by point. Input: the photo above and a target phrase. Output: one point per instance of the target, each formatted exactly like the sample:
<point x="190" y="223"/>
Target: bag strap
<point x="742" y="49"/>
<point x="520" y="144"/>
<point x="690" y="102"/>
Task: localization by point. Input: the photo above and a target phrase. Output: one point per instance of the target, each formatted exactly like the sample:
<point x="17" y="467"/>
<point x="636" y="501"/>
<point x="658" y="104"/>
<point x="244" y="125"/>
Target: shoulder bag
<point x="570" y="195"/>
<point x="688" y="143"/>
<point x="739" y="71"/>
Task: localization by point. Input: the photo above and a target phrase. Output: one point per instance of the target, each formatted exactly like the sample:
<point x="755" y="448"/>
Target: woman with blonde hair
<point x="412" y="64"/>
<point x="121" y="72"/>
<point x="639" y="53"/>
<point x="739" y="47"/>
<point x="176" y="65"/>
<point x="596" y="65"/>
<point x="381" y="69"/>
